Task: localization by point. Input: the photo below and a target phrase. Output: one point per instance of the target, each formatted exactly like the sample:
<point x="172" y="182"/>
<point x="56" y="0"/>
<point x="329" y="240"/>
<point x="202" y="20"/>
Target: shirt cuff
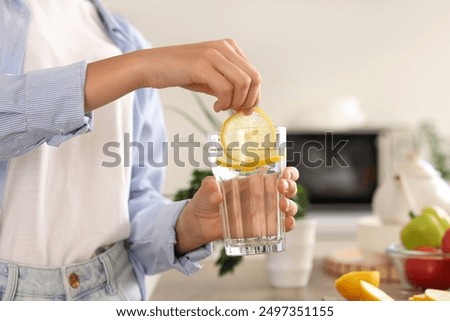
<point x="54" y="101"/>
<point x="156" y="250"/>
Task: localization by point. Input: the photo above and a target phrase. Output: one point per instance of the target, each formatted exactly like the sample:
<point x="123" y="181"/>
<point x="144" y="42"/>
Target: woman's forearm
<point x="112" y="78"/>
<point x="217" y="68"/>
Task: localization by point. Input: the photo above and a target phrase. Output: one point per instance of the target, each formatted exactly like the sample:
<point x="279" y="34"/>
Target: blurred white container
<point x="292" y="268"/>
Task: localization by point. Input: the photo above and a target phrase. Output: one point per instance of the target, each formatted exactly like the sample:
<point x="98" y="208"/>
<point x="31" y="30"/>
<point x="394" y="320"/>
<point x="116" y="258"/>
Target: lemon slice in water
<point x="248" y="140"/>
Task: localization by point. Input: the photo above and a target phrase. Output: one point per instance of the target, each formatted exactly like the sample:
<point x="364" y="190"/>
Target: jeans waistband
<point x="64" y="283"/>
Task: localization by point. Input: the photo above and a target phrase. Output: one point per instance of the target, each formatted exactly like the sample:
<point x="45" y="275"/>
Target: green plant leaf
<point x="226" y="263"/>
<point x="302" y="201"/>
<point x="198" y="175"/>
<point x="439" y="158"/>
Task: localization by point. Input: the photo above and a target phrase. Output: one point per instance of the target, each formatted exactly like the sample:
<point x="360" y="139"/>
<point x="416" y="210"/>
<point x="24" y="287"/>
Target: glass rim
<point x="398" y="250"/>
<point x="277" y="128"/>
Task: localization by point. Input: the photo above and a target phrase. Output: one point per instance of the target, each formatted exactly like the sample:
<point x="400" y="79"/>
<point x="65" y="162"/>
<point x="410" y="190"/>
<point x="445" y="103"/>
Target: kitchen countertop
<point x="336" y="229"/>
<point x="250" y="282"/>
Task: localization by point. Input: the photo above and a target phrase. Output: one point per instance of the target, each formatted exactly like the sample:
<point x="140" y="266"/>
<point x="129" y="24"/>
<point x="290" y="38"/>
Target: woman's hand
<point x="200" y="222"/>
<point x="218" y="68"/>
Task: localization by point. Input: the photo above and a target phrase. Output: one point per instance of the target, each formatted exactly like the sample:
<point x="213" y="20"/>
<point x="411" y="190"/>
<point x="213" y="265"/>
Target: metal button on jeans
<point x="74" y="280"/>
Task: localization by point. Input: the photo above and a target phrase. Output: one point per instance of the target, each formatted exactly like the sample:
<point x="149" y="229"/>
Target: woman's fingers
<point x="219" y="86"/>
<point x="287" y="187"/>
<point x="288" y="207"/>
<point x="217" y="68"/>
<point x="239" y="84"/>
<point x="238" y="57"/>
<point x="243" y="81"/>
<point x="289" y="223"/>
<point x="290" y="173"/>
<point x="228" y="74"/>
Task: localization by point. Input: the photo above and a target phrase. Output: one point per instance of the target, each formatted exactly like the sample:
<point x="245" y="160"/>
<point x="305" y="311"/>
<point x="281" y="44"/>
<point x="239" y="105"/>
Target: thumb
<point x="210" y="191"/>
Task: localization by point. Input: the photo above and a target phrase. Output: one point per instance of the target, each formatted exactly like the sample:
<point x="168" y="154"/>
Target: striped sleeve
<point x="153" y="240"/>
<point x="42" y="106"/>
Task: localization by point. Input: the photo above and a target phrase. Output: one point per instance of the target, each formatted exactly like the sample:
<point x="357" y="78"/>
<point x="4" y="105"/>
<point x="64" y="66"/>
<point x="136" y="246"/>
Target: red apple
<point x="428" y="273"/>
<point x="445" y="245"/>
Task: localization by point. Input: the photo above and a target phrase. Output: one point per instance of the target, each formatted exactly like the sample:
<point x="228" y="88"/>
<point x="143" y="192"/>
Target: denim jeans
<point x="108" y="276"/>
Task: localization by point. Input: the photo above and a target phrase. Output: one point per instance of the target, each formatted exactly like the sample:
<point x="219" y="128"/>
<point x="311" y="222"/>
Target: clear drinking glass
<point x="251" y="218"/>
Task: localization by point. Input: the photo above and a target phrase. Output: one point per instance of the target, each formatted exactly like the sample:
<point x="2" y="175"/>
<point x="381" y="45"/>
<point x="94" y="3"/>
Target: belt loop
<point x="111" y="286"/>
<point x="13" y="280"/>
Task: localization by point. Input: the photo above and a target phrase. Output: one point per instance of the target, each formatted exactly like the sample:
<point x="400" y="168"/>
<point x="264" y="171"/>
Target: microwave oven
<point x="345" y="166"/>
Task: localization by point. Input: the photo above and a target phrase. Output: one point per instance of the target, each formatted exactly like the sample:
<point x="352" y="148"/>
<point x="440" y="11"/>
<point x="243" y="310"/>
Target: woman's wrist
<point x="187" y="231"/>
<point x="112" y="78"/>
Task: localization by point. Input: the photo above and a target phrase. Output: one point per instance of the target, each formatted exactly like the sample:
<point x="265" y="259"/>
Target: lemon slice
<point x="419" y="297"/>
<point x="370" y="292"/>
<point x="437" y="295"/>
<point x="249" y="139"/>
<point x="349" y="285"/>
<point x="246" y="167"/>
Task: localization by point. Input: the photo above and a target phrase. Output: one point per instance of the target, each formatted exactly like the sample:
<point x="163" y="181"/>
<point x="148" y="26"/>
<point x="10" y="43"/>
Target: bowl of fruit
<point x="422" y="259"/>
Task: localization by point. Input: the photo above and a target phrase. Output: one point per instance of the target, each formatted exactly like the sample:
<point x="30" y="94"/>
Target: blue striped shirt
<point x="47" y="107"/>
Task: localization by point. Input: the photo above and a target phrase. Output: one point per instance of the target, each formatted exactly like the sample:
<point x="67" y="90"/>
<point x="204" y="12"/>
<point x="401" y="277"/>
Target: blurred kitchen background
<point x="377" y="67"/>
<point x="391" y="57"/>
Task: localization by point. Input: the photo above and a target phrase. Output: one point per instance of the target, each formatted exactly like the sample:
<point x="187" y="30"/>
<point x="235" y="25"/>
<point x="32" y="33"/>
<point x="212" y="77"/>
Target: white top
<point x="60" y="204"/>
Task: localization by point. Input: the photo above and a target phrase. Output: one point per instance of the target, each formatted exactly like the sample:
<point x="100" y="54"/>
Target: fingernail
<point x="288" y="204"/>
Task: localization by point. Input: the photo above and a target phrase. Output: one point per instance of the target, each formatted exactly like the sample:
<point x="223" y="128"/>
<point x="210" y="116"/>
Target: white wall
<point x="393" y="55"/>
